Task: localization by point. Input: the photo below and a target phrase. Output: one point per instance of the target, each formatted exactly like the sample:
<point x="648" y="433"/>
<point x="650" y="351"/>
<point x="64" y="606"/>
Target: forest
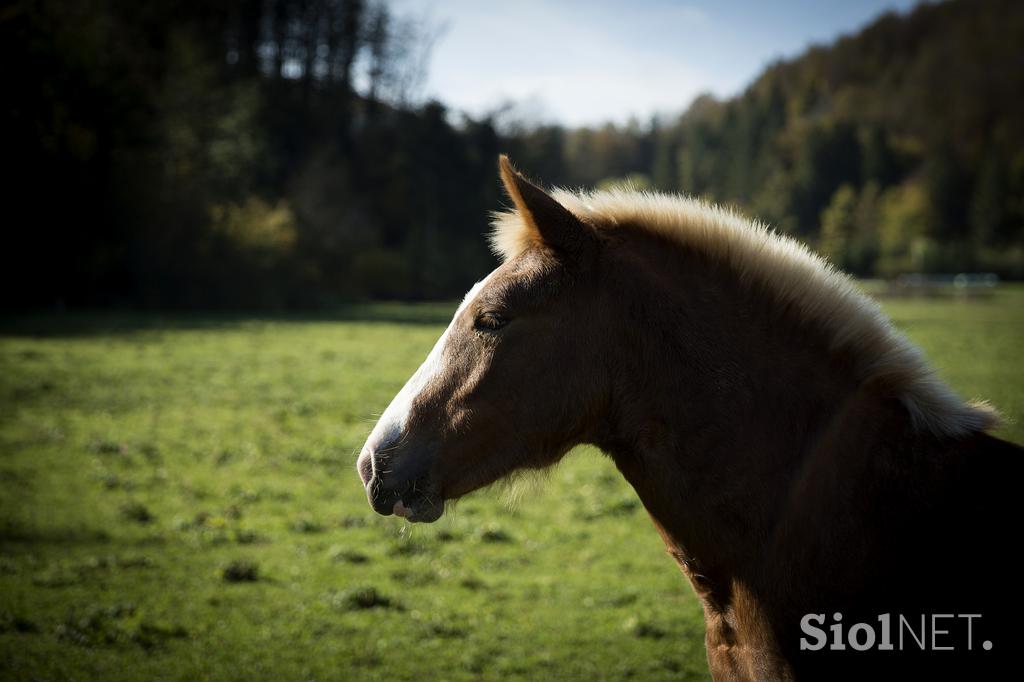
<point x="276" y="154"/>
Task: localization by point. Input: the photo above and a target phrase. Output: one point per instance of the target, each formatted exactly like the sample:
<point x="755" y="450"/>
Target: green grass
<point x="178" y="501"/>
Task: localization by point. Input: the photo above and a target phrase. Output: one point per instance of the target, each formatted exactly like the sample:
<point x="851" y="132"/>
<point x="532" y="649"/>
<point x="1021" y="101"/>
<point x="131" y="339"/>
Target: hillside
<point x="899" y="147"/>
<point x="268" y="155"/>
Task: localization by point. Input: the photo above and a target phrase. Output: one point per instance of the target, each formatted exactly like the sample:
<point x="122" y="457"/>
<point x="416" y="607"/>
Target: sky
<point x="584" y="62"/>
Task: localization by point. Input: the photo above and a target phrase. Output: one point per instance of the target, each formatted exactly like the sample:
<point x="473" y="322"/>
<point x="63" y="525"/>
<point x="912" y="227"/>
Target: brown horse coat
<point x="797" y="454"/>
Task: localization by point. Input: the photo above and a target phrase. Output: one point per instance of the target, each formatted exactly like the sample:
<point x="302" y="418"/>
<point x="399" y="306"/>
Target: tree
<point x="838" y="226"/>
<point x="905" y="218"/>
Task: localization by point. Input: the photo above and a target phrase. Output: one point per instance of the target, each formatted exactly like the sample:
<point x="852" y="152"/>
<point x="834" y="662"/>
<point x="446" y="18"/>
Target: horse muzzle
<point x="399" y="486"/>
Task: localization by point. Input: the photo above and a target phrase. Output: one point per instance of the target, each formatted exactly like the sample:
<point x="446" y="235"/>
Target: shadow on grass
<point x="116" y="323"/>
<point x="13" y="532"/>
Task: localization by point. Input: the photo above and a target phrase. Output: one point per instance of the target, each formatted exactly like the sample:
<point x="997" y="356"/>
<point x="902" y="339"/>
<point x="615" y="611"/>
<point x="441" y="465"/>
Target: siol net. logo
<point x="920" y="632"/>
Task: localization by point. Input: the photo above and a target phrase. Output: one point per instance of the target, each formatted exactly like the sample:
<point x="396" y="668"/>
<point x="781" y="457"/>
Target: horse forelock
<point x="794" y="276"/>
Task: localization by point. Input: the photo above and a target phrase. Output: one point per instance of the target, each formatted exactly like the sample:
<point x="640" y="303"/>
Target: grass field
<point x="178" y="501"/>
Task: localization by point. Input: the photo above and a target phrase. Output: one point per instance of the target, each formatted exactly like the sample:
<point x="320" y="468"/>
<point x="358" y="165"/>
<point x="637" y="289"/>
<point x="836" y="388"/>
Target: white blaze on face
<point x="392" y="423"/>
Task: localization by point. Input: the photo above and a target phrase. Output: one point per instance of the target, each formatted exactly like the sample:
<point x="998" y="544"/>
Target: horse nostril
<point x="381" y="498"/>
<point x="365" y="467"/>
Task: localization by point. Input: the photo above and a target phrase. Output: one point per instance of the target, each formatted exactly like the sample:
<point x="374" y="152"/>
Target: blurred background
<point x="286" y="154"/>
<point x="233" y="230"/>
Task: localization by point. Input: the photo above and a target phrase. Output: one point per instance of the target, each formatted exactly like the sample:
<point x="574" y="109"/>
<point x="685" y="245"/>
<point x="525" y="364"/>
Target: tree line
<point x="276" y="153"/>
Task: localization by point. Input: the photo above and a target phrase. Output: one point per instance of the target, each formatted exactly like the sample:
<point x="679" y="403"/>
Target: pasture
<point x="178" y="501"/>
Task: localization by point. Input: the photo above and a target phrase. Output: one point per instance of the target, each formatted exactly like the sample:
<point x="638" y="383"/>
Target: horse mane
<point x="798" y="279"/>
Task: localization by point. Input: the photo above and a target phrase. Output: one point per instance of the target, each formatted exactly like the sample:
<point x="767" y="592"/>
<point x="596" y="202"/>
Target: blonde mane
<point x="798" y="278"/>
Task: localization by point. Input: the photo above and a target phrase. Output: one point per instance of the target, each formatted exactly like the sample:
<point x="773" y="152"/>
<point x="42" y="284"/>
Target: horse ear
<point x="546" y="219"/>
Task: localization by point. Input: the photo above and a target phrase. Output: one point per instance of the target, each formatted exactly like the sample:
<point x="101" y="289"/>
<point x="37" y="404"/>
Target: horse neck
<point x="720" y="401"/>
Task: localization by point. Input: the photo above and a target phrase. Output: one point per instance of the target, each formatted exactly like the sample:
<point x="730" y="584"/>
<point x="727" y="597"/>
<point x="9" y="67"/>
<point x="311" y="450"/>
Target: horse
<point x="838" y="510"/>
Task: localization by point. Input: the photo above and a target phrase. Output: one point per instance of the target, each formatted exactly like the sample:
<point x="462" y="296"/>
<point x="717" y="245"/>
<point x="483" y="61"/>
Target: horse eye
<point x="489" y="322"/>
